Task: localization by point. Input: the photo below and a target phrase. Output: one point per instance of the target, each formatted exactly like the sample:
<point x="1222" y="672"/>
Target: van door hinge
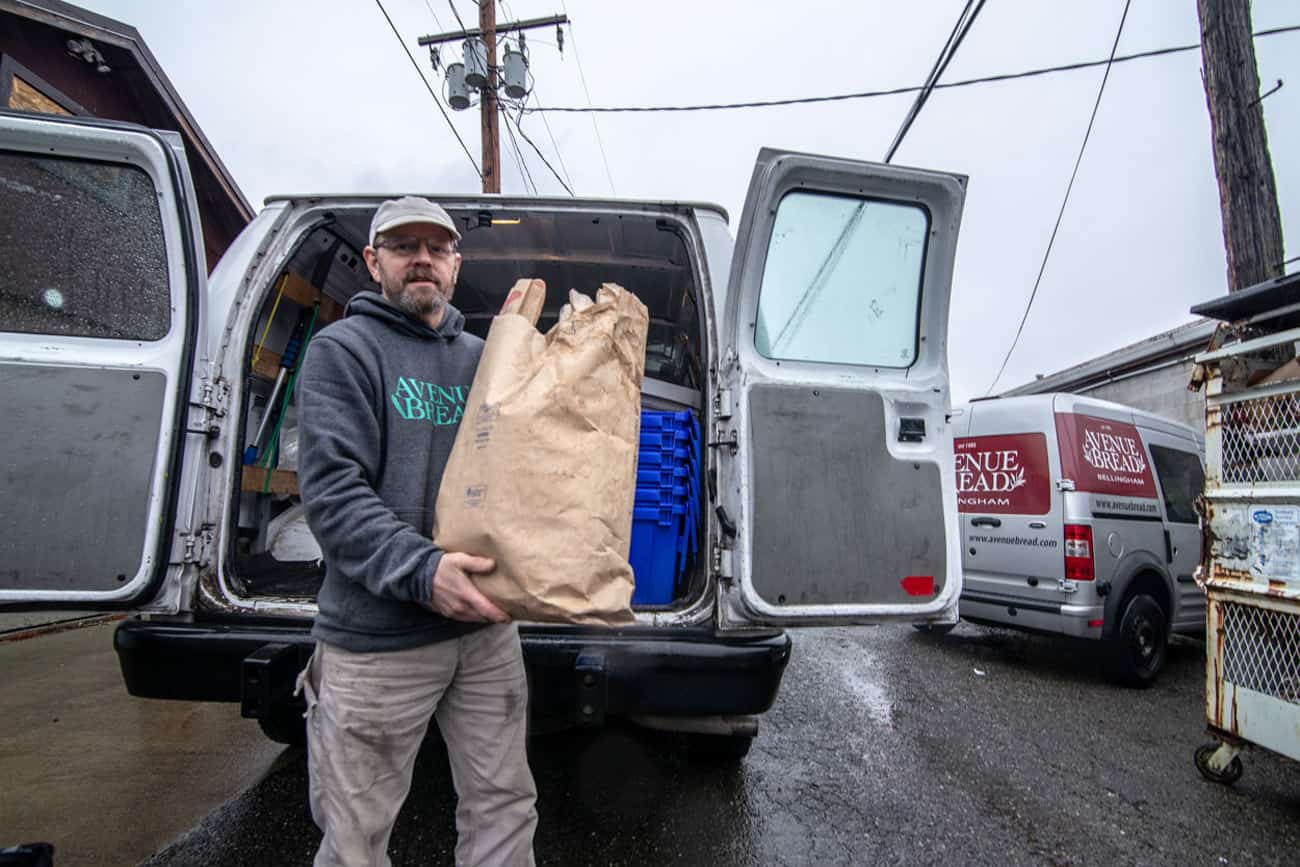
<point x="213" y="399"/>
<point x="723" y="563"/>
<point x="1065" y="484"/>
<point x="214" y="396"/>
<point x="724" y="438"/>
<point x="197" y="546"/>
<point x="722" y="409"/>
<point x="722" y="403"/>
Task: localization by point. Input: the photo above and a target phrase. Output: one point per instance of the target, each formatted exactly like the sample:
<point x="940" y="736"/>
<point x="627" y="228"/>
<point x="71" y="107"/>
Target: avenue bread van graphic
<point x="1003" y="474"/>
<point x="1104" y="456"/>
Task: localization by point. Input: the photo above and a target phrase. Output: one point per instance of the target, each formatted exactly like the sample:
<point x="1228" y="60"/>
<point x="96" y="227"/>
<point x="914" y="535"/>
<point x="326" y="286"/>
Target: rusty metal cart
<point x="1251" y="563"/>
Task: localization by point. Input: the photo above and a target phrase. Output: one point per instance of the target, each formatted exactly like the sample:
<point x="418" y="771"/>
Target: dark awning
<point x="1254" y="300"/>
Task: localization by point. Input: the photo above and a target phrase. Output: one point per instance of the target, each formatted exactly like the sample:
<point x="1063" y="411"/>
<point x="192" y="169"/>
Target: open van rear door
<point x="835" y="471"/>
<point x="101" y="283"/>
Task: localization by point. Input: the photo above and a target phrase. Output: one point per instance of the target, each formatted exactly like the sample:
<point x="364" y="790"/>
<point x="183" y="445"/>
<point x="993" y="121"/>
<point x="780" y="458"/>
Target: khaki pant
<point x="366" y="716"/>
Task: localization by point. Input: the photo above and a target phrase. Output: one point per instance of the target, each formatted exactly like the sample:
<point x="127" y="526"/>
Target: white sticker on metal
<point x="1260" y="540"/>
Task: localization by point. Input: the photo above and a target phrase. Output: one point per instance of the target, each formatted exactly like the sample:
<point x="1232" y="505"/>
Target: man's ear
<point x="371" y="255"/>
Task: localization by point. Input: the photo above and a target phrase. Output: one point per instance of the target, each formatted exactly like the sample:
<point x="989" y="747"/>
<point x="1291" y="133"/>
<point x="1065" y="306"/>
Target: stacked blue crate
<point x="665" y="515"/>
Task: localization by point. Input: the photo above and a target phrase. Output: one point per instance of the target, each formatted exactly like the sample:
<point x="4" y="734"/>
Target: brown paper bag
<point x="542" y="476"/>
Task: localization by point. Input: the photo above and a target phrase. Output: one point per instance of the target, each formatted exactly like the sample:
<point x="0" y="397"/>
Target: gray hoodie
<point x="380" y="397"/>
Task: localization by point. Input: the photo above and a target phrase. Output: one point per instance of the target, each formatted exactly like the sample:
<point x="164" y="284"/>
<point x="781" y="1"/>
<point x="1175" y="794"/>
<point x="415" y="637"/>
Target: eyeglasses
<point x="407" y="247"/>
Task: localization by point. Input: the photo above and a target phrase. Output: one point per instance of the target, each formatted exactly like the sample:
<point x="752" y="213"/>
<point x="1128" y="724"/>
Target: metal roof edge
<point x="1186" y="339"/>
<point x="501" y="200"/>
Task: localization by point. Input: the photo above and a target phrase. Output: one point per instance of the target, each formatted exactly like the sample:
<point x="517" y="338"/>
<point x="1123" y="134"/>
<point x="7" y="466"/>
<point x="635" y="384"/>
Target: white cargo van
<point x="1078" y="517"/>
<point x="812" y="350"/>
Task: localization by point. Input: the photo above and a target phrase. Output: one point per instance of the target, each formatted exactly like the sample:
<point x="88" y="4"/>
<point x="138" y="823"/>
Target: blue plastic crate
<point x="667" y="474"/>
<point x="664" y="438"/>
<point x="653" y="554"/>
<point x="662" y="495"/>
<point x="656" y="458"/>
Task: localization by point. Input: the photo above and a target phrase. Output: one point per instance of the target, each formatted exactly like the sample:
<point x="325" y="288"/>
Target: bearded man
<point x="402" y="634"/>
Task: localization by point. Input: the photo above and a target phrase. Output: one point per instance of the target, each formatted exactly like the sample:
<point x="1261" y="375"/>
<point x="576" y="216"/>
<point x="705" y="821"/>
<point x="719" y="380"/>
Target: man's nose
<point x="423" y="252"/>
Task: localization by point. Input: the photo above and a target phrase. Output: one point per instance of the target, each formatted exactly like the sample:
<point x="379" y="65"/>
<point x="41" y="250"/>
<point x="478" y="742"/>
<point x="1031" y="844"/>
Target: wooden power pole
<point x="487" y="30"/>
<point x="1252" y="224"/>
<point x="487" y="23"/>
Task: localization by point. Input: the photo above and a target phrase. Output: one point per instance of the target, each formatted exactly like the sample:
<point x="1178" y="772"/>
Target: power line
<point x="542" y="156"/>
<point x="559" y="155"/>
<point x="456" y="12"/>
<point x="1079" y="159"/>
<point x="959" y="31"/>
<point x="519" y="160"/>
<point x="583" y="78"/>
<point x="873" y="94"/>
<point x="533" y="91"/>
<point x="519" y="157"/>
<point x="436" y="21"/>
<point x="427" y="87"/>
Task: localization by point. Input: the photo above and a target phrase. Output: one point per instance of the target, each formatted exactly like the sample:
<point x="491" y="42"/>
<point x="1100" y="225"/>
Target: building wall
<point x="1162" y="391"/>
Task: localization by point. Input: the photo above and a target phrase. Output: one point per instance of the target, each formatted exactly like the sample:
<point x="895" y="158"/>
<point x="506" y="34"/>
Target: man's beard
<point x="419" y="307"/>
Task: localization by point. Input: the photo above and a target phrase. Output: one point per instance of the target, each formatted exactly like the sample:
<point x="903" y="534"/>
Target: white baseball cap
<point x="408" y="210"/>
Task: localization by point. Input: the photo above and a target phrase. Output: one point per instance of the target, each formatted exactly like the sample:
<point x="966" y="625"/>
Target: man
<point x="402" y="632"/>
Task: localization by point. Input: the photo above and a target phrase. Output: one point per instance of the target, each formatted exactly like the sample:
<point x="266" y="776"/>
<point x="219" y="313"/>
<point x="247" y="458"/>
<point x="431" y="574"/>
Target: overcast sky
<point x="317" y="96"/>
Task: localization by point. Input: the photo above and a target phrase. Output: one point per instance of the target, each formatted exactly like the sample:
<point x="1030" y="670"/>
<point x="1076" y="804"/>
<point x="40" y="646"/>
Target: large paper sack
<point x="542" y="477"/>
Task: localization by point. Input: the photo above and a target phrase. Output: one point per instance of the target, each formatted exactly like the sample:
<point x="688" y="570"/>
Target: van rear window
<point x="84" y="253"/>
<point x="1003" y="474"/>
<point x="1103" y="456"/>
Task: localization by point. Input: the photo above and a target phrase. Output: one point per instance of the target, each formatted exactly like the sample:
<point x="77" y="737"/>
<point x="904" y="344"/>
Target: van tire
<point x="285" y="725"/>
<point x="935" y="629"/>
<point x="1141" y="643"/>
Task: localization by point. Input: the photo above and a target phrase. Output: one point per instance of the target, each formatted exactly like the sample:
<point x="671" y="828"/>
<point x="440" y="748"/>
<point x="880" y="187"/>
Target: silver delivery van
<point x="1078" y="517"/>
<point x="150" y="432"/>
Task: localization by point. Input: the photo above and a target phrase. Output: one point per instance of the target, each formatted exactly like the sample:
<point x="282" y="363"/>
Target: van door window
<point x="842" y="281"/>
<point x="1181" y="480"/>
<point x="1006" y="474"/>
<point x="84" y="254"/>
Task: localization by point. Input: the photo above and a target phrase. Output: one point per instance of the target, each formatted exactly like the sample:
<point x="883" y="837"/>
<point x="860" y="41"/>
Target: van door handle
<point x="985" y="522"/>
<point x="1038" y="525"/>
<point x="911" y="430"/>
<point x="1169" y="548"/>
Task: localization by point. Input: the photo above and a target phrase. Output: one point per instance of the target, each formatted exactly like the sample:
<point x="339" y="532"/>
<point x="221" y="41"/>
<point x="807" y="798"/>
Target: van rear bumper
<point x="1029" y="614"/>
<point x="640" y="671"/>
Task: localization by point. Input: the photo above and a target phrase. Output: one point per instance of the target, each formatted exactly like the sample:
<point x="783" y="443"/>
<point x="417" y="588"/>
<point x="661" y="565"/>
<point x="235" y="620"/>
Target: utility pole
<point x="487" y="22"/>
<point x="1252" y="224"/>
<point x="487" y="31"/>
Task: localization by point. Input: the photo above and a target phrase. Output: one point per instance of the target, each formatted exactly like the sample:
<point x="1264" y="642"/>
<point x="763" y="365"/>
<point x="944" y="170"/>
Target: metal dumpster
<point x="1250" y="567"/>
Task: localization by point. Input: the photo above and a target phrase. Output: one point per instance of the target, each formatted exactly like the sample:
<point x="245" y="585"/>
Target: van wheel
<point x="720" y="749"/>
<point x="285" y="725"/>
<point x="1142" y="642"/>
<point x="935" y="629"/>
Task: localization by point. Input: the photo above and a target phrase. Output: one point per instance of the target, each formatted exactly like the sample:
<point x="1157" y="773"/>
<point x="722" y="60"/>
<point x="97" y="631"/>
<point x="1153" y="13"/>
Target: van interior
<point x="274" y="552"/>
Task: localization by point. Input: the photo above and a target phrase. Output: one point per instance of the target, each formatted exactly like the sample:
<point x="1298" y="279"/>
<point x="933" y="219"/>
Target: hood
<point x="377" y="306"/>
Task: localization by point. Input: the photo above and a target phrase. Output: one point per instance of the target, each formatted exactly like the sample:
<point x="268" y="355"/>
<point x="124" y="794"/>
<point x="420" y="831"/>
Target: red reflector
<point x="918" y="585"/>
<point x="1097" y="622"/>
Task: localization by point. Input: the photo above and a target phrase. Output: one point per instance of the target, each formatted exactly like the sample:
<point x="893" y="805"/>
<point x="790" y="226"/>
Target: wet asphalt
<point x="885" y="747"/>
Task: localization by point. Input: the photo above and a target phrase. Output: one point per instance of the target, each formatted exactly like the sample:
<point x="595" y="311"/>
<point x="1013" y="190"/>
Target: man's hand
<point x="454" y="593"/>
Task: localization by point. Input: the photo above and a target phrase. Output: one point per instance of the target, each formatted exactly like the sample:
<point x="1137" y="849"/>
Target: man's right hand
<point x="454" y="593"/>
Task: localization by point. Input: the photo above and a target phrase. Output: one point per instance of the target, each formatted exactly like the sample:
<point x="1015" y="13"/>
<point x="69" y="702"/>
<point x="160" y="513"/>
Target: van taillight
<point x="1078" y="553"/>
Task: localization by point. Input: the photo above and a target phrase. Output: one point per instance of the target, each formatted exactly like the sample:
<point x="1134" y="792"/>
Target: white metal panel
<point x="169" y="357"/>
